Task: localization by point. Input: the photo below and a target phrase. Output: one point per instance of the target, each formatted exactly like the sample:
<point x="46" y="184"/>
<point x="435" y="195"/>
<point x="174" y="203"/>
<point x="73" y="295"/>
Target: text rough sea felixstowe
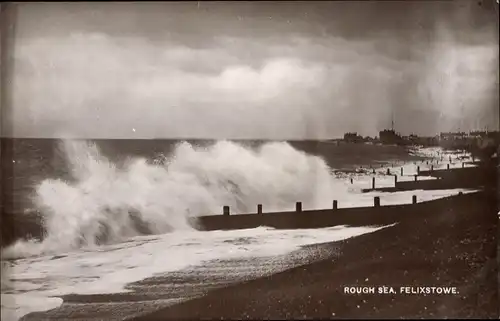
<point x="419" y="290"/>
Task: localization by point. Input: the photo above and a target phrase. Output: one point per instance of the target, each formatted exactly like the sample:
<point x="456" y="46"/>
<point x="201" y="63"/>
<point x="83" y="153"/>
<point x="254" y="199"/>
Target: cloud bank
<point x="98" y="84"/>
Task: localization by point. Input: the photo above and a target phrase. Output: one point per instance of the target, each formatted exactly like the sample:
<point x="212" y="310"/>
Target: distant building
<point x="369" y="139"/>
<point x="389" y="137"/>
<point x="478" y="133"/>
<point x="452" y="136"/>
<point x="353" y="138"/>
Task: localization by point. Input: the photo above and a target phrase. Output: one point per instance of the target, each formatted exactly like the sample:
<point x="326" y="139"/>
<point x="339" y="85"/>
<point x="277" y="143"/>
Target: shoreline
<point x="414" y="252"/>
<point x="417" y="252"/>
<point x="428" y="206"/>
<point x="164" y="289"/>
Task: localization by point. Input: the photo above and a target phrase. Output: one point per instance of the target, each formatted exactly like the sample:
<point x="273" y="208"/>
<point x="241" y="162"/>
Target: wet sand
<point x="162" y="290"/>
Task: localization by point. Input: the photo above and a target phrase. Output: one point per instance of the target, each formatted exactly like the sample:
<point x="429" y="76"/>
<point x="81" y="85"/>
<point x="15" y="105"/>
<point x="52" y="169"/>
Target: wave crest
<point x="107" y="203"/>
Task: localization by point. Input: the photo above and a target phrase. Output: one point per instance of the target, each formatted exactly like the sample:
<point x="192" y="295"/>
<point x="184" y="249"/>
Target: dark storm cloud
<point x="254" y="69"/>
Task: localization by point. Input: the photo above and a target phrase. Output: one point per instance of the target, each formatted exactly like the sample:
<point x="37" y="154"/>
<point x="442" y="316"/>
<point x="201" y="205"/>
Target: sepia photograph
<point x="234" y="160"/>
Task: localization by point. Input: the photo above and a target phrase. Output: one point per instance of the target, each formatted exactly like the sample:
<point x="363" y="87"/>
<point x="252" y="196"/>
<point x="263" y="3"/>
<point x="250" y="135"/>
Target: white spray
<point x="107" y="203"/>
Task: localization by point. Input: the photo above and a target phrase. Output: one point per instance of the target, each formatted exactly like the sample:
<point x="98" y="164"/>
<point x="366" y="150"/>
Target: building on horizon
<point x="390" y="137"/>
<point x="353" y="137"/>
<point x="452" y="135"/>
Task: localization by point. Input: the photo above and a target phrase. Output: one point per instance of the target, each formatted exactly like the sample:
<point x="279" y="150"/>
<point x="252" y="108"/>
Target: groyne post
<point x="449" y="158"/>
<point x="373" y="182"/>
<point x="416" y="177"/>
<point x="298" y="207"/>
<point x="447" y="166"/>
<point x="374" y="171"/>
<point x="376" y="201"/>
<point x="463" y="165"/>
<point x="225" y="210"/>
<point x="259" y="208"/>
<point x="395" y="180"/>
<point x="401" y="171"/>
<point x="432" y="168"/>
<point x="335" y="205"/>
<point x="418" y="170"/>
<point x="388" y="172"/>
<point x="414" y="199"/>
<point x="351" y="180"/>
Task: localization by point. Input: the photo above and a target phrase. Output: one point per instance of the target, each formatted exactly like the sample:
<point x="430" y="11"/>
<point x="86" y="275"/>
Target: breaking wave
<point x="106" y="202"/>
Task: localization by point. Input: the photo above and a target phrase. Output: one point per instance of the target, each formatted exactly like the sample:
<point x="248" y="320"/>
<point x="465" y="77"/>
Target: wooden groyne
<point x="480" y="177"/>
<point x="463" y="177"/>
<point x="453" y="243"/>
<point x="378" y="214"/>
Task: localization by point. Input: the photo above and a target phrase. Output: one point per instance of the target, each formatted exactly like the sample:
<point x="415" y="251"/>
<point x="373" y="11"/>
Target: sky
<point x="272" y="70"/>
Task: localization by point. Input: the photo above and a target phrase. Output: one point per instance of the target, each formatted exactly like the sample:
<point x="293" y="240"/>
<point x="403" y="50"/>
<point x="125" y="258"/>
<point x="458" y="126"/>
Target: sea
<point x="105" y="226"/>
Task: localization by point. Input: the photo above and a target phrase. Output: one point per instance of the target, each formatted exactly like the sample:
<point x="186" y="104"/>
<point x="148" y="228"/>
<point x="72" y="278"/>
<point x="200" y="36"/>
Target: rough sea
<point x="112" y="217"/>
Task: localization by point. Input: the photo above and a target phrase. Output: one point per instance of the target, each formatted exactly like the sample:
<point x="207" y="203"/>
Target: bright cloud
<point x="98" y="85"/>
